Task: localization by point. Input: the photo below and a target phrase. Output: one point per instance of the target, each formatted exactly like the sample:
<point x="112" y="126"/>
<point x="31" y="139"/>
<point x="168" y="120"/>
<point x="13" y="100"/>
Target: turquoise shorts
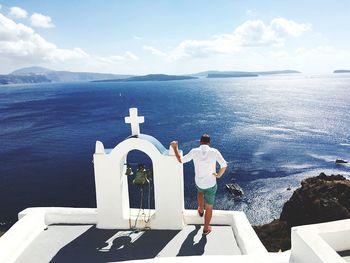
<point x="209" y="194"/>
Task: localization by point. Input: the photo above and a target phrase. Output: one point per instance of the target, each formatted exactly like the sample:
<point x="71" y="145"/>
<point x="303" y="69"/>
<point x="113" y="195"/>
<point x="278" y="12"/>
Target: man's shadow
<point x="189" y="248"/>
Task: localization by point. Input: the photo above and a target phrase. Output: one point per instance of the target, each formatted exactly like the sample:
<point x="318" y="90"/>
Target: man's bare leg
<point x="200" y="199"/>
<point x="207" y="216"/>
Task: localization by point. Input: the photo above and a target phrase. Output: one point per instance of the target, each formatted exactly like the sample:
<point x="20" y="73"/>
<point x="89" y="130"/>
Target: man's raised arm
<point x="176" y="150"/>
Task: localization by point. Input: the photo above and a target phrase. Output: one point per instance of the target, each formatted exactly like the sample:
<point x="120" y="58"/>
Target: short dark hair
<point x="205" y="138"/>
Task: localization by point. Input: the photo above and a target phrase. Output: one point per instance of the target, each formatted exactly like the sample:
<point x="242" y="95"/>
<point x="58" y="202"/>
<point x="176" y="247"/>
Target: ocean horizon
<point x="274" y="131"/>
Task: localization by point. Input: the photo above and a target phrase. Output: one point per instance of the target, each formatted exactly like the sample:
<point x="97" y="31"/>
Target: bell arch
<point x="112" y="185"/>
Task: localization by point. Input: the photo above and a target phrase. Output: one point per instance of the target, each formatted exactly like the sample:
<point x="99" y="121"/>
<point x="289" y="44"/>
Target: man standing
<point x="204" y="158"/>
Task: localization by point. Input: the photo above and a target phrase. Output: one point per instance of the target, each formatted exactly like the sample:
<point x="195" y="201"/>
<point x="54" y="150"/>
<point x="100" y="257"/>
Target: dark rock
<point x="319" y="199"/>
<point x="275" y="236"/>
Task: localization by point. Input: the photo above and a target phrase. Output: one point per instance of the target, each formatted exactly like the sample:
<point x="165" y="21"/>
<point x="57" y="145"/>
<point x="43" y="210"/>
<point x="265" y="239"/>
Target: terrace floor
<point x="345" y="255"/>
<point x="86" y="243"/>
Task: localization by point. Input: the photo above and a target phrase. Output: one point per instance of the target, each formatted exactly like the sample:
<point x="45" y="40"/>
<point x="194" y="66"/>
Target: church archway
<point x="140" y="195"/>
<point x="112" y="185"/>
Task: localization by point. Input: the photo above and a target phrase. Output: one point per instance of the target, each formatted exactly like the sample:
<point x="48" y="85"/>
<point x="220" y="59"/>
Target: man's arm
<point x="223" y="165"/>
<point x="176" y="150"/>
<point x="220" y="172"/>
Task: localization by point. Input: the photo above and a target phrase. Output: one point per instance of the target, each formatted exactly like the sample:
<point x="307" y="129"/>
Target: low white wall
<point x="20" y="235"/>
<point x="246" y="237"/>
<point x="32" y="221"/>
<point x="336" y="234"/>
<point x="318" y="243"/>
<point x="64" y="215"/>
<point x="339" y="241"/>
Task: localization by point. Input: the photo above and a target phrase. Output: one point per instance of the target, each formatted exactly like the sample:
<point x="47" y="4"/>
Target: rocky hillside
<point x="44" y="75"/>
<point x="319" y="199"/>
<point x="14" y="79"/>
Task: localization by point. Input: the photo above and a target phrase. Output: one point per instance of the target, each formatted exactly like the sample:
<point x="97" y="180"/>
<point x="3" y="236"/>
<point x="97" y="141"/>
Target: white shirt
<point x="204" y="159"/>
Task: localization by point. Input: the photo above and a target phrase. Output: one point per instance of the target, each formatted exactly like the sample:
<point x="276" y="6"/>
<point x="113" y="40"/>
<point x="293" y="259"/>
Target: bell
<point x="141" y="175"/>
<point x="128" y="171"/>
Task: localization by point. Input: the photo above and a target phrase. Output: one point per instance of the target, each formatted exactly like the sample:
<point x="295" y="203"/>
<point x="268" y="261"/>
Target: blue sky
<point x="175" y="37"/>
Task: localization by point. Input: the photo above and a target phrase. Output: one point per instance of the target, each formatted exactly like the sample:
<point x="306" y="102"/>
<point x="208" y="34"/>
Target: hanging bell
<point x="128" y="171"/>
<point x="141" y="175"/>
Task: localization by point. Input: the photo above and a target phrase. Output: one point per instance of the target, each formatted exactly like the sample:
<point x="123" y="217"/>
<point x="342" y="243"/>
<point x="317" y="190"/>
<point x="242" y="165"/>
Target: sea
<point x="273" y="131"/>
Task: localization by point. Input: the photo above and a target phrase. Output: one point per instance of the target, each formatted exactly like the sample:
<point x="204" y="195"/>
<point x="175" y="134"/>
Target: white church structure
<point x="114" y="231"/>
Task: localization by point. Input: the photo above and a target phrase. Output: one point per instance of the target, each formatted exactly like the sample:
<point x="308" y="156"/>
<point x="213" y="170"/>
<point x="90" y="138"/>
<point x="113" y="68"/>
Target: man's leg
<point x="207" y="216"/>
<point x="200" y="199"/>
<point x="209" y="197"/>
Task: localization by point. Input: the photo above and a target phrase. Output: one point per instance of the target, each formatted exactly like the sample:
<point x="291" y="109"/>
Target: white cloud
<point x="115" y="58"/>
<point x="40" y="20"/>
<point x="284" y="28"/>
<point x="130" y="55"/>
<point x="18" y="41"/>
<point x="17" y="12"/>
<point x="21" y="46"/>
<point x="155" y="51"/>
<point x="324" y="50"/>
<point x="252" y="33"/>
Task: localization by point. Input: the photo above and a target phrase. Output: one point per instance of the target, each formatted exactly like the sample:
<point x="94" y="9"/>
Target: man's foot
<point x="207" y="231"/>
<point x="200" y="213"/>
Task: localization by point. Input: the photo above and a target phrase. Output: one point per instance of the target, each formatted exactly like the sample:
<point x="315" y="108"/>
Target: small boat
<point x="341" y="161"/>
<point x="234" y="189"/>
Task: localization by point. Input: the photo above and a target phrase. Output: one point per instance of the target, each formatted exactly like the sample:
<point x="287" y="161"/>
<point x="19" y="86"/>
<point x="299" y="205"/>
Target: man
<point x="204" y="158"/>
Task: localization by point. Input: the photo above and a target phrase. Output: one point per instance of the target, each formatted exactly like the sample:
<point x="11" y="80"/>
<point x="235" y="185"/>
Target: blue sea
<point x="274" y="131"/>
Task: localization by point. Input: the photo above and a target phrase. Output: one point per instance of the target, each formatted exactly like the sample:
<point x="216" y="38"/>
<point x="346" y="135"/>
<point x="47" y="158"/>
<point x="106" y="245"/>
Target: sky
<point x="175" y="37"/>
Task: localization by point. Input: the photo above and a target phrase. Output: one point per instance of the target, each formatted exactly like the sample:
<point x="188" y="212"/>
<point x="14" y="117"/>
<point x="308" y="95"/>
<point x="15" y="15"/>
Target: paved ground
<point x="86" y="243"/>
<point x="345" y="255"/>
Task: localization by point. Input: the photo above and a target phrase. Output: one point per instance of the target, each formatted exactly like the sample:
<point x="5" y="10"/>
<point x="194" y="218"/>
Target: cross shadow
<point x="189" y="248"/>
<point x="92" y="246"/>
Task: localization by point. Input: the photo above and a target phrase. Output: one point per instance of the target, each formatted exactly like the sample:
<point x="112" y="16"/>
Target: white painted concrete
<point x="20" y="235"/>
<point x="63" y="215"/>
<point x="246" y="238"/>
<point x="112" y="185"/>
<point x="318" y="243"/>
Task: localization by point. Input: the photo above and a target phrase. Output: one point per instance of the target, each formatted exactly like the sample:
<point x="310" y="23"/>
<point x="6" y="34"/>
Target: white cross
<point x="134" y="120"/>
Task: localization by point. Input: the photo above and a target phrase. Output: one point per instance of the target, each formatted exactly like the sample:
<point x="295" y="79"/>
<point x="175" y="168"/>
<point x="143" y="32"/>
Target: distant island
<point x="341" y="71"/>
<point x="35" y="74"/>
<point x="149" y="77"/>
<point x="237" y="74"/>
<point x="43" y="75"/>
<point x="231" y="75"/>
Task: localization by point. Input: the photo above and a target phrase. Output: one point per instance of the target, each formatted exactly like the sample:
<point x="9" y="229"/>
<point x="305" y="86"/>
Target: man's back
<point x="204" y="158"/>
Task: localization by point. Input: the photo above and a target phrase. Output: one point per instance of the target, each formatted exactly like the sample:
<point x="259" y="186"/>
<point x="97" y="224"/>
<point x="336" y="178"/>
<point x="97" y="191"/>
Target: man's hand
<point x="176" y="151"/>
<point x="220" y="173"/>
<point x="174" y="144"/>
<point x="216" y="175"/>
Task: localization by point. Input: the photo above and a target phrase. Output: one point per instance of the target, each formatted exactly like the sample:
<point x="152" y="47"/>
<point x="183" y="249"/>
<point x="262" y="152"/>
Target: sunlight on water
<point x="273" y="131"/>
